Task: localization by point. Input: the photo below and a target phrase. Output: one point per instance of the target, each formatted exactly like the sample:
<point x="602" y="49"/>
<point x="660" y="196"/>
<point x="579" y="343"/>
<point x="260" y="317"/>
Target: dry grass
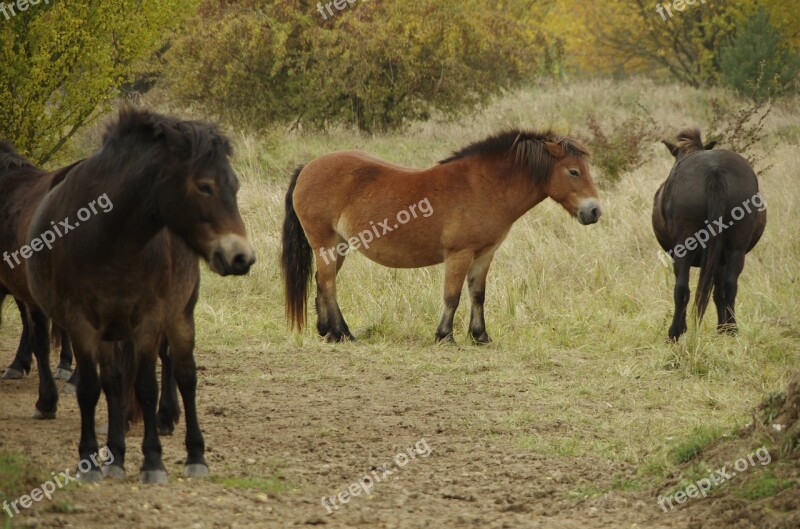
<point x="578" y="315"/>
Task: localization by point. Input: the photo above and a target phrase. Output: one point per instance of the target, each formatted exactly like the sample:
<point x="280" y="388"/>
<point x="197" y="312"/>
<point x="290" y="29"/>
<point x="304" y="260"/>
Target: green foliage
<point x="373" y="64"/>
<point x="619" y="146"/>
<point x="756" y="53"/>
<point x="63" y="62"/>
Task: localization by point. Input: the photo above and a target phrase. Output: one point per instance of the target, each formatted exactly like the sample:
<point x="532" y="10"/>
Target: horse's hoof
<point x="483" y="339"/>
<point x="12" y="374"/>
<point x="157" y="477"/>
<point x="63" y="374"/>
<point x="43" y="415"/>
<point x="448" y="338"/>
<point x="69" y="389"/>
<point x="114" y="472"/>
<point x="196" y="470"/>
<point x="92" y="476"/>
<point x="165" y="429"/>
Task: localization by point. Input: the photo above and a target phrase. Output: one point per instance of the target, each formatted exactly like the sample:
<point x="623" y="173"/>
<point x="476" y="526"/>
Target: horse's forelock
<point x="690" y="140"/>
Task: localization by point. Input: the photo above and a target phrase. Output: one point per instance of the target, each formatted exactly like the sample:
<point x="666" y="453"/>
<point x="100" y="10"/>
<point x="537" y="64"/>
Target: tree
<point x="62" y="63"/>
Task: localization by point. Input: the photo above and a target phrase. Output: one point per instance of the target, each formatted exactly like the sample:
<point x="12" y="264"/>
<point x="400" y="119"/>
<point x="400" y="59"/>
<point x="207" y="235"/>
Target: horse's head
<point x="570" y="183"/>
<point x="199" y="203"/>
<point x="689" y="142"/>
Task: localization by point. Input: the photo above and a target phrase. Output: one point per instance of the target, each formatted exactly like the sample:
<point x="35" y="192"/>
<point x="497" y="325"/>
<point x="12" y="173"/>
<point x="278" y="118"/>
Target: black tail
<point x="716" y="191"/>
<point x="125" y="360"/>
<point x="296" y="261"/>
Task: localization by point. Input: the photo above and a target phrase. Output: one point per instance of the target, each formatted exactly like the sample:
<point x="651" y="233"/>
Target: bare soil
<point x="266" y="419"/>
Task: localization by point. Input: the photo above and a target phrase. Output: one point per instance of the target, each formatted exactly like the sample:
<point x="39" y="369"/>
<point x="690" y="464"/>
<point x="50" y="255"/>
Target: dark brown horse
<point x="457" y="212"/>
<point x="132" y="274"/>
<point x="709" y="213"/>
<point x="22" y="187"/>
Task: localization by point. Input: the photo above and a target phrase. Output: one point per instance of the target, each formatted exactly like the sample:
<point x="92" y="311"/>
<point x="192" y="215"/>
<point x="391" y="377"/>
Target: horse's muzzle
<point x="232" y="255"/>
<point x="589" y="211"/>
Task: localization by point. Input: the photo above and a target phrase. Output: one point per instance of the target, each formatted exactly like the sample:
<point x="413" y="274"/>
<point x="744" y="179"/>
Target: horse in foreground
<point x="23" y="186"/>
<point x="709" y="213"/>
<point x="457" y="212"/>
<point x="132" y="275"/>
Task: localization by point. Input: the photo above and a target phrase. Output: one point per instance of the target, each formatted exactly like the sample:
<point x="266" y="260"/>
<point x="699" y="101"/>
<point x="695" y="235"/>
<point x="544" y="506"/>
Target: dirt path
<point x="279" y="440"/>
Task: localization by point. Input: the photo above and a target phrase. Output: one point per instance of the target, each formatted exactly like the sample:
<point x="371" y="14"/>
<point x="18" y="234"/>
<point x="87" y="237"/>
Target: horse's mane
<point x="689" y="140"/>
<point x="11" y="159"/>
<point x="527" y="148"/>
<point x="197" y="140"/>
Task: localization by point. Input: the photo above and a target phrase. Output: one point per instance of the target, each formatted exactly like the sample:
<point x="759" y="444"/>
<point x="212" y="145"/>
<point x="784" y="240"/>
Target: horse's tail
<point x="296" y="261"/>
<point x="716" y="191"/>
<point x="125" y="360"/>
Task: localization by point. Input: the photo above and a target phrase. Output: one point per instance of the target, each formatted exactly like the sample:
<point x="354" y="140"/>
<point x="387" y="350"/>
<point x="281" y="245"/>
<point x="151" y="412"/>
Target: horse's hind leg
<point x="181" y="346"/>
<point x="330" y="321"/>
<point x="734" y="264"/>
<point x="456" y="265"/>
<point x="23" y="357"/>
<point x="64" y="371"/>
<point x="40" y="343"/>
<point x="723" y="314"/>
<point x="476" y="279"/>
<point x="681" y="295"/>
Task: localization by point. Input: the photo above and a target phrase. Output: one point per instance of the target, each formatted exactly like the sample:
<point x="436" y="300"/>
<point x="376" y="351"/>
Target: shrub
<point x="618" y="146"/>
<point x="374" y="64"/>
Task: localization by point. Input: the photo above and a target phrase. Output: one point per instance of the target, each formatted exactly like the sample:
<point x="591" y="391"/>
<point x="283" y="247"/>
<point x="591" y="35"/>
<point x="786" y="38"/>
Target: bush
<point x="375" y="64"/>
<point x="618" y="146"/>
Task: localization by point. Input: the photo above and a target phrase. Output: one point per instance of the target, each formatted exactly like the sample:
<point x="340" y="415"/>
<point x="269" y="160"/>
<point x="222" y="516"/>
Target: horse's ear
<point x="555" y="149"/>
<point x="673" y="150"/>
<point x="175" y="139"/>
<point x="710" y="145"/>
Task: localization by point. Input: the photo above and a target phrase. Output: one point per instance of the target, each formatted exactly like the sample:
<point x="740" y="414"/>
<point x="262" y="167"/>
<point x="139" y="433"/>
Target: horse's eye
<point x="204" y="188"/>
<point x="574" y="172"/>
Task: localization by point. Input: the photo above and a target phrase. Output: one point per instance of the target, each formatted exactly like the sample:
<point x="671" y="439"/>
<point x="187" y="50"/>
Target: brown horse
<point x="458" y="212"/>
<point x="132" y="274"/>
<point x="709" y="213"/>
<point x="22" y="187"/>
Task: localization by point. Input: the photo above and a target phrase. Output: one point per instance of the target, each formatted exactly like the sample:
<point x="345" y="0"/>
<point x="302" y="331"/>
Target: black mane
<point x="198" y="140"/>
<point x="527" y="148"/>
<point x="10" y="158"/>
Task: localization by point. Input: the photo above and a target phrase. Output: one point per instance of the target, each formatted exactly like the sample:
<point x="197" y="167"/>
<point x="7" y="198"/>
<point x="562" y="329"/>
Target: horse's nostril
<point x="595" y="212"/>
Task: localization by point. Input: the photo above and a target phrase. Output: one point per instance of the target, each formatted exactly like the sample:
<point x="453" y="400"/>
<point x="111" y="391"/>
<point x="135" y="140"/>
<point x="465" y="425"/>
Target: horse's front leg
<point x="476" y="280"/>
<point x="456" y="265"/>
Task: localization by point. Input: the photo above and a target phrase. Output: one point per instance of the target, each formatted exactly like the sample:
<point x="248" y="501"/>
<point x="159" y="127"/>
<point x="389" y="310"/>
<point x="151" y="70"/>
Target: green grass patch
<point x="763" y="485"/>
<point x="694" y="444"/>
<point x="275" y="483"/>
